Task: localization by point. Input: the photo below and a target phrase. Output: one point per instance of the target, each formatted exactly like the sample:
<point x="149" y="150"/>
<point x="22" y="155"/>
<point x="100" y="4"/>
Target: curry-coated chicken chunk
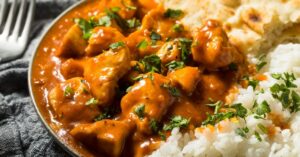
<point x="148" y="99"/>
<point x="212" y="48"/>
<point x="106" y="136"/>
<point x="72" y="68"/>
<point x="186" y="78"/>
<point x="72" y="44"/>
<point x="71" y="97"/>
<point x="101" y="39"/>
<point x="104" y="71"/>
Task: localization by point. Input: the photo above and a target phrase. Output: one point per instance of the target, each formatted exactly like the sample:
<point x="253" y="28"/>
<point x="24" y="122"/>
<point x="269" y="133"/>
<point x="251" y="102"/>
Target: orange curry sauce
<point x="107" y="89"/>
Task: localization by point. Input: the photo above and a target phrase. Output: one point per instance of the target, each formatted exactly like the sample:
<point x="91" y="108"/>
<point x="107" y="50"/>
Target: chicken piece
<point x="101" y="38"/>
<point x="72" y="68"/>
<point x="212" y="48"/>
<point x="106" y="136"/>
<point x="186" y="78"/>
<point x="212" y="86"/>
<point x="73" y="43"/>
<point x="150" y="98"/>
<point x="156" y="22"/>
<point x="187" y="108"/>
<point x="127" y="10"/>
<point x="169" y="52"/>
<point x="104" y="71"/>
<point x="69" y="98"/>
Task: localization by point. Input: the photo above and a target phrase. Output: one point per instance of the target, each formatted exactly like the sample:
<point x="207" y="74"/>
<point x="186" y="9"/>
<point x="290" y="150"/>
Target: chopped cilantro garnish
<point x="235" y="110"/>
<point x="216" y="118"/>
<point x="162" y="135"/>
<point x="177" y="28"/>
<point x="112" y="13"/>
<point x="261" y="62"/>
<point x="262" y="109"/>
<point x="133" y="23"/>
<point x="91" y="102"/>
<point x="217" y="105"/>
<point x="129" y="7"/>
<point x="262" y="128"/>
<point x="151" y="63"/>
<point x="172" y="90"/>
<point x="117" y="45"/>
<point x="115" y="9"/>
<point x="105" y="21"/>
<point x="85" y="26"/>
<point x="172" y="13"/>
<point x="143" y="44"/>
<point x="174" y="65"/>
<point x="176" y="122"/>
<point x="154" y="125"/>
<point x="295" y="107"/>
<point x="155" y="36"/>
<point x="257" y="136"/>
<point x="276" y="76"/>
<point x="140" y="111"/>
<point x="185" y="47"/>
<point x="240" y="110"/>
<point x="260" y="65"/>
<point x="242" y="131"/>
<point x="68" y="92"/>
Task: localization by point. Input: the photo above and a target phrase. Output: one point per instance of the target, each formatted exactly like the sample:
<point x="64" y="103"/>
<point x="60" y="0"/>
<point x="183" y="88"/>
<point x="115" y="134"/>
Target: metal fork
<point x="15" y="34"/>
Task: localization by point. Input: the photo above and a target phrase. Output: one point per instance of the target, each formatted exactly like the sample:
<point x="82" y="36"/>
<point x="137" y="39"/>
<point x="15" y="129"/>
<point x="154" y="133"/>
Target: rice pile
<point x="278" y="135"/>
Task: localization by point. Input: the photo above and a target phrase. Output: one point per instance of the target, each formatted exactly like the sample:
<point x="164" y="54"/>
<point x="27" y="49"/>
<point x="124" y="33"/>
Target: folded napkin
<point x="21" y="131"/>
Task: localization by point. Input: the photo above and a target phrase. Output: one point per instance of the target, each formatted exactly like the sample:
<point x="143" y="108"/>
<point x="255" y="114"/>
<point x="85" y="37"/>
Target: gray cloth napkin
<point x="21" y="131"/>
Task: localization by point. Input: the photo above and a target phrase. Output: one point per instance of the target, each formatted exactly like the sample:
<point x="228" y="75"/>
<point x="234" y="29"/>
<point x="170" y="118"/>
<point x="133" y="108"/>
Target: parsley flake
<point x="140" y="111"/>
<point x="176" y="122"/>
<point x="173" y="13"/>
<point x="117" y="45"/>
<point x="174" y="65"/>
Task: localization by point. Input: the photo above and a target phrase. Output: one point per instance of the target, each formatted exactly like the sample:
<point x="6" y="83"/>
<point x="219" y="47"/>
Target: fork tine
<point x="19" y="20"/>
<point x="25" y="33"/>
<point x="9" y="20"/>
<point x="2" y="10"/>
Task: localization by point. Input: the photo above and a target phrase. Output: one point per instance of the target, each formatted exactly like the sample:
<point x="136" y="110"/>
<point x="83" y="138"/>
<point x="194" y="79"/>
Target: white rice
<point x="215" y="142"/>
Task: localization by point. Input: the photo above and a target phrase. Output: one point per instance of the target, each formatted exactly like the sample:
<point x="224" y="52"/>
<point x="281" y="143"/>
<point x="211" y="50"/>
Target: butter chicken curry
<point x="114" y="77"/>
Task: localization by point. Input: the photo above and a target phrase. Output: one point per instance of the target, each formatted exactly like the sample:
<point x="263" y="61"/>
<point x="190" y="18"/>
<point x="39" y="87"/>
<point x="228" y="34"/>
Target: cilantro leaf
<point x="173" y="13"/>
<point x="133" y="23"/>
<point x="172" y="90"/>
<point x="185" y="47"/>
<point x="155" y="36"/>
<point x="262" y="109"/>
<point x="177" y="28"/>
<point x="140" y="111"/>
<point x="105" y="21"/>
<point x="91" y="102"/>
<point x="151" y="63"/>
<point x="143" y="44"/>
<point x="176" y="122"/>
<point x="258" y="137"/>
<point x="112" y="13"/>
<point x="68" y="92"/>
<point x="85" y="26"/>
<point x="242" y="131"/>
<point x="241" y="111"/>
<point x="174" y="65"/>
<point x="117" y="45"/>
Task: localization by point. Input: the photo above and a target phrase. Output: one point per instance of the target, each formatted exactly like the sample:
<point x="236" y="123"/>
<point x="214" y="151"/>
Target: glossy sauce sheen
<point x="90" y="74"/>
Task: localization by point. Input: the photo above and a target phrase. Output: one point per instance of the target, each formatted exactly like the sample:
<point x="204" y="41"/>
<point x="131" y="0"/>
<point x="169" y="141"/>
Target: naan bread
<point x="252" y="25"/>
